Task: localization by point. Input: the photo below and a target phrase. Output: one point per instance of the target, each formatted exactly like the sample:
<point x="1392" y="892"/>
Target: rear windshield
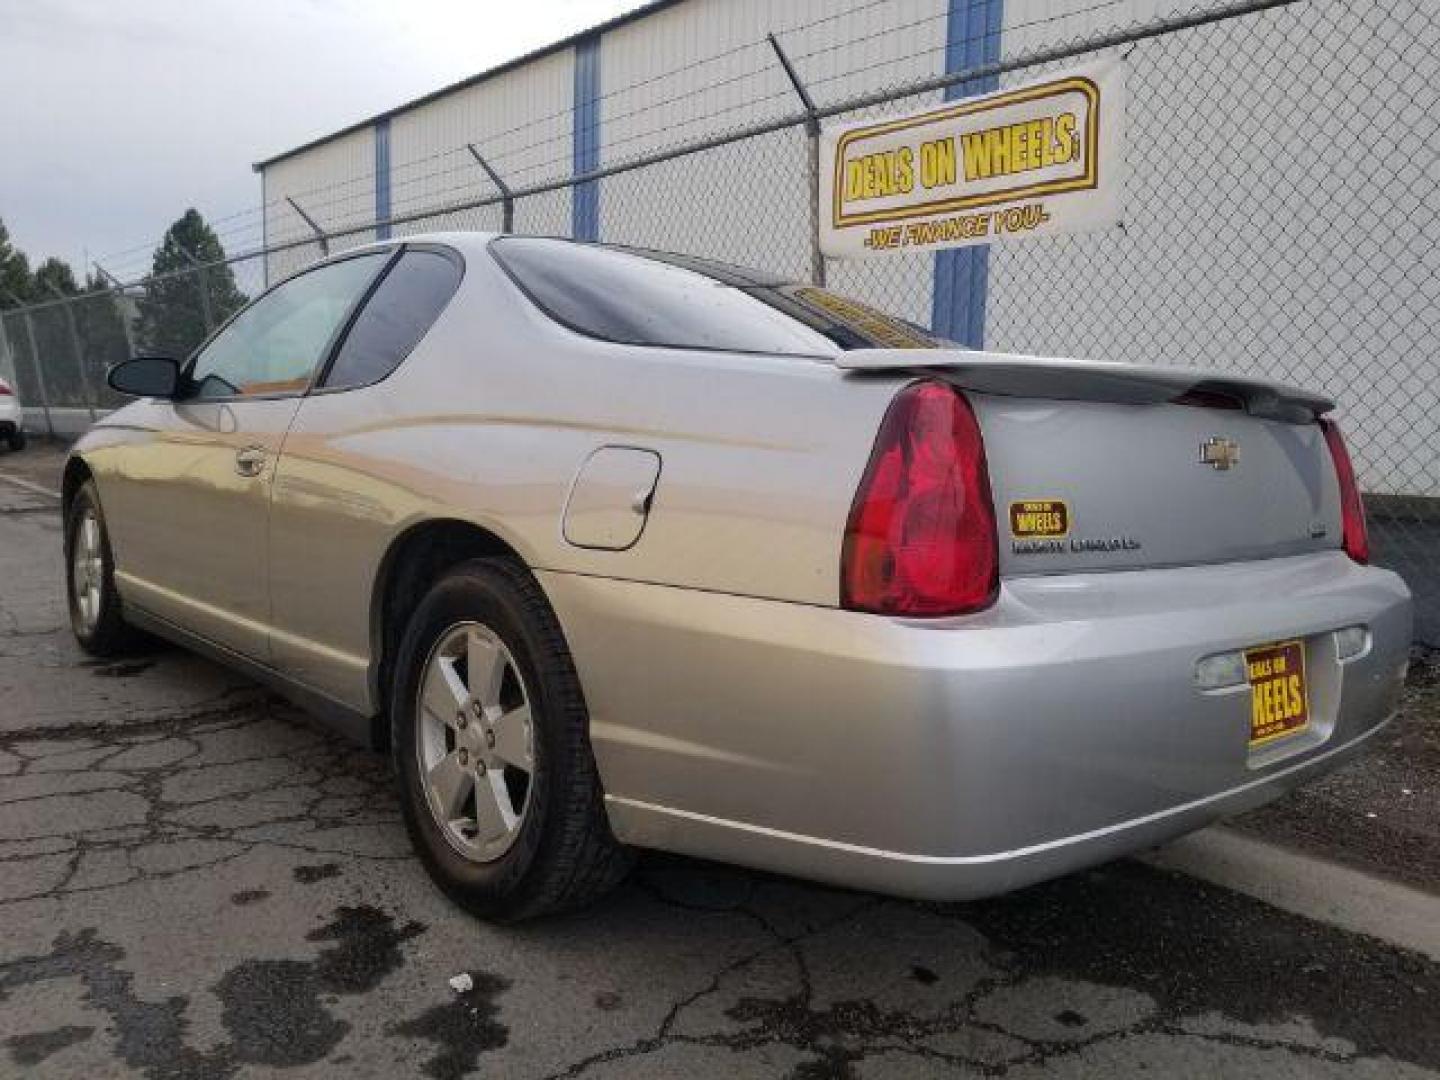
<point x="638" y="297"/>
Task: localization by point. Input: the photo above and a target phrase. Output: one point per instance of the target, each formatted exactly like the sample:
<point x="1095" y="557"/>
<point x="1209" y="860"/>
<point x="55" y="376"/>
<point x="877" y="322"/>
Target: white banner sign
<point x="1030" y="161"/>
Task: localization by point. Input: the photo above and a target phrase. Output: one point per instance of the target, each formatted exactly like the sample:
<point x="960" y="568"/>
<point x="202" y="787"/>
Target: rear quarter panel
<point x="491" y="418"/>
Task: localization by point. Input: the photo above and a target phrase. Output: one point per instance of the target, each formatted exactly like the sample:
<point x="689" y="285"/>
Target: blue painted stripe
<point x="382" y="179"/>
<point x="962" y="275"/>
<point x="264" y="231"/>
<point x="585" y="205"/>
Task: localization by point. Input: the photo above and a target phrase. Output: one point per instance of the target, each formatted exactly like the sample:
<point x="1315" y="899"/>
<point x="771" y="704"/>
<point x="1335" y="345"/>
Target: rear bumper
<point x="960" y="877"/>
<point x="964" y="757"/>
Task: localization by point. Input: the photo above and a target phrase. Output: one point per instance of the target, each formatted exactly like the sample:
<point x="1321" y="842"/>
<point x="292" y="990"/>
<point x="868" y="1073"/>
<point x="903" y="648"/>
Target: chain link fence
<point x="1282" y="218"/>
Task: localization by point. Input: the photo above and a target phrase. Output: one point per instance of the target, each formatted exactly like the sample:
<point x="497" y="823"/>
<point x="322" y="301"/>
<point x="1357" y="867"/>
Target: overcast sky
<point x="119" y="115"/>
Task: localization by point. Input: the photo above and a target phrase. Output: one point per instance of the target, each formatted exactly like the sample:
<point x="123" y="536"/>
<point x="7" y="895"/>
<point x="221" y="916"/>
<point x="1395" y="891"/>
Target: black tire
<point x="16" y="439"/>
<point x="109" y="634"/>
<point x="563" y="855"/>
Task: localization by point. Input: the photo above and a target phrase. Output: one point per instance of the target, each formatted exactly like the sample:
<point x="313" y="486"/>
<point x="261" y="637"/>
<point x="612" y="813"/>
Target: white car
<point x="12" y="419"/>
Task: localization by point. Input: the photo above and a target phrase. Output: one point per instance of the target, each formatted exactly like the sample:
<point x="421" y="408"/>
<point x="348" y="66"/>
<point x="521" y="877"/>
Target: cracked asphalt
<point x="196" y="880"/>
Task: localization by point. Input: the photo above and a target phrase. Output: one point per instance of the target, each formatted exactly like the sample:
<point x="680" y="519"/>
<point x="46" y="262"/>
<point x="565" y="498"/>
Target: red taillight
<point x="5" y="390"/>
<point x="1352" y="510"/>
<point x="921" y="535"/>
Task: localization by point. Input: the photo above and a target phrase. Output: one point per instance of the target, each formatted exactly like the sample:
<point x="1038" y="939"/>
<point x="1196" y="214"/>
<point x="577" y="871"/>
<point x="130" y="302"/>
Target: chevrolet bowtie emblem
<point x="1220" y="454"/>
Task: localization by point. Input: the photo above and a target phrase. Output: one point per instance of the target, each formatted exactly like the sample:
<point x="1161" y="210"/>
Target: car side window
<point x="275" y="345"/>
<point x="398" y="314"/>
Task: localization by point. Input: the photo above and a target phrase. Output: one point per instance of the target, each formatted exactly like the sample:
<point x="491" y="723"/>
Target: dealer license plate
<point x="1279" y="698"/>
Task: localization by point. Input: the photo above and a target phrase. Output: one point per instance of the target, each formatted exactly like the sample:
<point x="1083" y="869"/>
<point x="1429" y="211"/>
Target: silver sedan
<point x="614" y="548"/>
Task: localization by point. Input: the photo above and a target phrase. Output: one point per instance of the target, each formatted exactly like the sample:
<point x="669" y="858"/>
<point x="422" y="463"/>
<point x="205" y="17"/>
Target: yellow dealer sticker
<point x="1034" y="518"/>
<point x="1031" y="160"/>
<point x="1279" y="698"/>
<point x="885" y="330"/>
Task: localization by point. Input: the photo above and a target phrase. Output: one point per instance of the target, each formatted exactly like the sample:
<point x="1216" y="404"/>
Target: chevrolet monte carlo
<point x="614" y="548"/>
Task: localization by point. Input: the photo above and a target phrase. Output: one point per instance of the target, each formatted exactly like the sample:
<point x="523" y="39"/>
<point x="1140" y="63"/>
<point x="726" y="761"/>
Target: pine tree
<point x="15" y="278"/>
<point x="183" y="302"/>
<point x="56" y="327"/>
<point x="54" y="276"/>
<point x="101" y="316"/>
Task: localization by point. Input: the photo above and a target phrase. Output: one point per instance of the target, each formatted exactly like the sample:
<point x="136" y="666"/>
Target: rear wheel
<point x="499" y="787"/>
<point x="96" y="615"/>
<point x="16" y="439"/>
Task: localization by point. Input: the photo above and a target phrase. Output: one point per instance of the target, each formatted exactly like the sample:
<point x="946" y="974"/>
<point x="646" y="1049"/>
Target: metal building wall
<point x="702" y="68"/>
<point x="333" y="182"/>
<point x="519" y="120"/>
<point x="684" y="72"/>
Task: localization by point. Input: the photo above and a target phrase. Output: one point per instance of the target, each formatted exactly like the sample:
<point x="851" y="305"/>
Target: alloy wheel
<point x="87" y="570"/>
<point x="475" y="741"/>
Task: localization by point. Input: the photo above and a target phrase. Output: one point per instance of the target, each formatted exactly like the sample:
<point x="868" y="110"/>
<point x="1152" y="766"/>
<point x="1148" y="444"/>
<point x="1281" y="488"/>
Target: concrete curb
<point x="1308" y="886"/>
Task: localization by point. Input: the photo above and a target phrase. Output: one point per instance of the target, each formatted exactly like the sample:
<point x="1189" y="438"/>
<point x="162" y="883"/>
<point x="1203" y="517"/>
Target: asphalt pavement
<point x="198" y="881"/>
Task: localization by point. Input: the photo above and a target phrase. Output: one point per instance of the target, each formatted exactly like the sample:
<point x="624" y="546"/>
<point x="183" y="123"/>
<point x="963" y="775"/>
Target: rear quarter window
<point x="637" y="297"/>
<point x="398" y="314"/>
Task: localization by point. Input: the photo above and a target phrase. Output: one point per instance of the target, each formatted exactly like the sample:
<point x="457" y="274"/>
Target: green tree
<point x="56" y="327"/>
<point x="54" y="276"/>
<point x="15" y="286"/>
<point x="102" y="315"/>
<point x="14" y="271"/>
<point x="182" y="302"/>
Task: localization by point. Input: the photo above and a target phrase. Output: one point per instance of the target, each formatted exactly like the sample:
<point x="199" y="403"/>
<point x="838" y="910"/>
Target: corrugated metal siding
<point x="519" y="120"/>
<point x="1038" y="24"/>
<point x="335" y="183"/>
<point x="702" y="68"/>
<point x="685" y="72"/>
<point x="892" y="45"/>
<point x="382" y="179"/>
<point x="1159" y="292"/>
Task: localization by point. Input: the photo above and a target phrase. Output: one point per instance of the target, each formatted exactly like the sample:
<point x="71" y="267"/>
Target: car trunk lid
<point x="1063" y="379"/>
<point x="1098" y="466"/>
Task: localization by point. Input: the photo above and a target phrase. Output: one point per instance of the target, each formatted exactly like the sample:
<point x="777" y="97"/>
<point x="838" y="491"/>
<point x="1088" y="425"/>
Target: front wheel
<point x="96" y="617"/>
<point x="491" y="743"/>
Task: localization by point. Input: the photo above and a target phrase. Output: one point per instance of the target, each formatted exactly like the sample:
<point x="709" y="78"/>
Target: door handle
<point x="250" y="461"/>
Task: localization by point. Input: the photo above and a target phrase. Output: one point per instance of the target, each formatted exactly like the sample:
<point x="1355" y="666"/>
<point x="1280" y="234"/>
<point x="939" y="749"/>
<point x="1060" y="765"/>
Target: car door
<point x="343" y="488"/>
<point x="190" y="505"/>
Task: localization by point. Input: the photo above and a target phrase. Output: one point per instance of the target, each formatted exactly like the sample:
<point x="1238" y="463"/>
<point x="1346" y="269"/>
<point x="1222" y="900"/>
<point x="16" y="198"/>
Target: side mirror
<point x="146" y="376"/>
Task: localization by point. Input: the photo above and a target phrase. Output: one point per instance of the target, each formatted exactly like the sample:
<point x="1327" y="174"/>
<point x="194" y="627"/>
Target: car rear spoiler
<point x="1090" y="380"/>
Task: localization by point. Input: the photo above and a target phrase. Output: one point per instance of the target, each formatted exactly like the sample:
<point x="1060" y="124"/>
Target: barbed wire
<point x="363" y="182"/>
<point x="500" y="159"/>
<point x="1037" y="55"/>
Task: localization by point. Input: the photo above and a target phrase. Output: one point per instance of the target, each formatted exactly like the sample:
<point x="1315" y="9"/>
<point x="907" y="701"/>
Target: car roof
<point x="463" y="241"/>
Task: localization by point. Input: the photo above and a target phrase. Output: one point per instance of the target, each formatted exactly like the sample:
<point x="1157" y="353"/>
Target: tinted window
<point x="403" y="307"/>
<point x="650" y="298"/>
<point x="274" y="345"/>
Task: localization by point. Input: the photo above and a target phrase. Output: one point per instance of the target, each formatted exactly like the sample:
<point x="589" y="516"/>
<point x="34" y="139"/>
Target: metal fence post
<point x="319" y="232"/>
<point x="203" y="280"/>
<point x="117" y="295"/>
<point x="507" y="201"/>
<point x="39" y="370"/>
<point x="81" y="368"/>
<point x="812" y="137"/>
